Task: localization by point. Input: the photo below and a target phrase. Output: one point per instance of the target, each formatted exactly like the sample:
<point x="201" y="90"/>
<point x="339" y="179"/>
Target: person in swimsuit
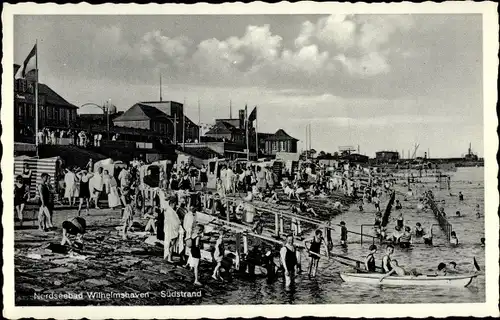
<point x="395" y="269"/>
<point x="46" y="204"/>
<point x="460" y="196"/>
<point x="386" y="260"/>
<point x="370" y="259"/>
<point x="218" y="255"/>
<point x="203" y="177"/>
<point x="26" y="175"/>
<point x="405" y="239"/>
<point x="343" y="234"/>
<point x="20" y="197"/>
<point x="314" y="249"/>
<point x="290" y="260"/>
<point x="454" y="239"/>
<point x="196" y="246"/>
<point x="74" y="227"/>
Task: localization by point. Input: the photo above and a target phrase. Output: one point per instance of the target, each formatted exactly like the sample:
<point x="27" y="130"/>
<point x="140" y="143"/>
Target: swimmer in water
<point x="460" y="196"/>
<point x="370" y="259"/>
<point x="442" y="269"/>
<point x="482" y="242"/>
<point x="457" y="214"/>
<point x="478" y="211"/>
<point x="454" y="239"/>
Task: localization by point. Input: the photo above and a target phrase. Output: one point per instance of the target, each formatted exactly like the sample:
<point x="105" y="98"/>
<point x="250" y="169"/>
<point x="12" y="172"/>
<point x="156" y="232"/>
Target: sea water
<point x="328" y="287"/>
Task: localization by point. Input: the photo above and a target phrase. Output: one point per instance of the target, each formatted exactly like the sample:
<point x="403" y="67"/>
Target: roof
<point x="140" y="111"/>
<point x="386" y="152"/>
<point x="221" y="127"/>
<point x="281" y="135"/>
<point x="201" y="152"/>
<point x="163" y="106"/>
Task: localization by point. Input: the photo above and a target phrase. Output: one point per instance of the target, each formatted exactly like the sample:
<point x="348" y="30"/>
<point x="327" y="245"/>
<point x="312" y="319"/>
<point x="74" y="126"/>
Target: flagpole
<point x="256" y="135"/>
<point x="199" y="122"/>
<point x="184" y="125"/>
<point x="246" y="132"/>
<point x="36" y="98"/>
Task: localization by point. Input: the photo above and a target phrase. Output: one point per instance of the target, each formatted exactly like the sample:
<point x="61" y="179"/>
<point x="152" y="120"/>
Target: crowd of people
<point x="168" y="199"/>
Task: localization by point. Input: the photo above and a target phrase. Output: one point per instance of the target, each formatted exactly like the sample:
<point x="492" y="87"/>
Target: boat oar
<point x="339" y="261"/>
<point x="476" y="265"/>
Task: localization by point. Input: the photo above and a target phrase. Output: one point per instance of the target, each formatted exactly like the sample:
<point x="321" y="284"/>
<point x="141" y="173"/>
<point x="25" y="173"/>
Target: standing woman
<point x="112" y="189"/>
<point x="70" y="186"/>
<point x="46" y="204"/>
<point x="21" y="195"/>
<point x="203" y="177"/>
<point x="193" y="173"/>
<point x="27" y="174"/>
<point x="84" y="195"/>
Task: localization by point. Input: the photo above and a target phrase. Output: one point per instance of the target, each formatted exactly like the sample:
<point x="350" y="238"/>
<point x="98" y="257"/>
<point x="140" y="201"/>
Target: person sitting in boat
<point x="453" y="239"/>
<point x="405" y="239"/>
<point x="396" y="269"/>
<point x="74" y="227"/>
<point x="314" y="249"/>
<point x="386" y="260"/>
<point x="370" y="259"/>
<point x="442" y="269"/>
<point x="452" y="268"/>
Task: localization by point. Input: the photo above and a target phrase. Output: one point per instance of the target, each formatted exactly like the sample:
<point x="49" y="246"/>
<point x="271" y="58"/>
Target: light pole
<point x="104" y="108"/>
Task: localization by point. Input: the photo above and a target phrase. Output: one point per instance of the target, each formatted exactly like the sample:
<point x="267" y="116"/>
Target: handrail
<point x="319" y="223"/>
<point x="247" y="231"/>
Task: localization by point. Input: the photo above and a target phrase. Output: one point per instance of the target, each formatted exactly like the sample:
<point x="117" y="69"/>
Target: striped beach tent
<point x="37" y="167"/>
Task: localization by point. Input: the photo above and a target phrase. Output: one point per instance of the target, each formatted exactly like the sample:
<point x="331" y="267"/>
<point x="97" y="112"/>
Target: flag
<point x="253" y="115"/>
<point x="28" y="65"/>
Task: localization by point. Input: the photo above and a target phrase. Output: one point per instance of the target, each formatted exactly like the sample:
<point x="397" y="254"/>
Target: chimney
<point x="241" y="116"/>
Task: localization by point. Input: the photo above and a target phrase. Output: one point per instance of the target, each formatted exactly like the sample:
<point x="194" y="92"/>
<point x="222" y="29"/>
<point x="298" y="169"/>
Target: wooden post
<point x="281" y="224"/>
<point x="245" y="244"/>
<point x="276" y="225"/>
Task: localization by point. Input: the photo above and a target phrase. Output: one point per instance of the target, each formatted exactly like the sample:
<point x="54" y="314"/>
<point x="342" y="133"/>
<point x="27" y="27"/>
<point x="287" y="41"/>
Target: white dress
<point x="70" y="186"/>
<point x="113" y="195"/>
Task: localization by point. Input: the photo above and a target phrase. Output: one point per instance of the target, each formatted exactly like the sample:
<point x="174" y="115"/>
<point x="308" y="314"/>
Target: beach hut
<point x="51" y="166"/>
<point x="214" y="168"/>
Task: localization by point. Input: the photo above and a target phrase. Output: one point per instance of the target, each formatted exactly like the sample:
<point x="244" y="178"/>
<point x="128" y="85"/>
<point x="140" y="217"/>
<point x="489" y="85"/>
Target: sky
<point x="380" y="82"/>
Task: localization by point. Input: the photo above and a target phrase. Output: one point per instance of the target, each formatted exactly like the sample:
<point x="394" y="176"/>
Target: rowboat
<point x="423" y="280"/>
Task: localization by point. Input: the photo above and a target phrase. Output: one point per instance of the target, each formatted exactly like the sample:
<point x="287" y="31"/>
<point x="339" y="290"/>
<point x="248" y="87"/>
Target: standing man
<point x="46" y="204"/>
<point x="290" y="259"/>
<point x="386" y="260"/>
<point x="97" y="185"/>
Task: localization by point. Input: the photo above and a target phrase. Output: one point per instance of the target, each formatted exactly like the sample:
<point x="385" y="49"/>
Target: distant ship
<point x="470" y="159"/>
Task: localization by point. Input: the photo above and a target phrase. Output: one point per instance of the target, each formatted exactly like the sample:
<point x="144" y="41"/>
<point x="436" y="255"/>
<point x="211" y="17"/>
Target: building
<point x="162" y="117"/>
<point x="387" y="156"/>
<point x="53" y="110"/>
<point x="280" y="142"/>
<point x="356" y="158"/>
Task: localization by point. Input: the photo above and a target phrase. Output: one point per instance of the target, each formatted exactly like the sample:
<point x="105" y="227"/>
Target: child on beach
<point x="196" y="246"/>
<point x="74" y="227"/>
<point x="343" y="234"/>
<point x="127" y="216"/>
<point x="218" y="255"/>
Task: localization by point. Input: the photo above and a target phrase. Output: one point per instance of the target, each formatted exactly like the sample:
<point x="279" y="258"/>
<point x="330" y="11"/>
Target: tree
<point x="321" y="154"/>
<point x="336" y="155"/>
